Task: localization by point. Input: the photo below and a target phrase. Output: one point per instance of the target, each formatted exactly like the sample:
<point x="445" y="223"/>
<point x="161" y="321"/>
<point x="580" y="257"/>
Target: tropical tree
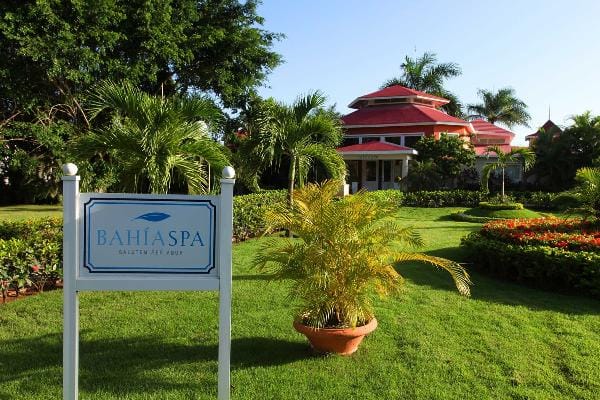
<point x="502" y="106"/>
<point x="304" y="133"/>
<point x="427" y="75"/>
<point x="559" y="156"/>
<point x="514" y="156"/>
<point x="588" y="190"/>
<point x="449" y="153"/>
<point x="153" y="144"/>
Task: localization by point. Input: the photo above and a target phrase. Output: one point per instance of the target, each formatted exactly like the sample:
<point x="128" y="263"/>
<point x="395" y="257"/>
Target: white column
<point x="70" y="298"/>
<point x="404" y="167"/>
<point x="225" y="237"/>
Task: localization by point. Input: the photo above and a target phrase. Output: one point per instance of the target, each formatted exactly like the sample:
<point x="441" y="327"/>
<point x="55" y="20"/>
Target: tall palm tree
<point x="427" y="75"/>
<point x="525" y="156"/>
<point x="153" y="143"/>
<point x="502" y="106"/>
<point x="304" y="133"/>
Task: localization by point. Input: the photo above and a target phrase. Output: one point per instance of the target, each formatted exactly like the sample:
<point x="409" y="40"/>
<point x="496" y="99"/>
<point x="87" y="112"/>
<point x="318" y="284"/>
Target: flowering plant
<point x="570" y="234"/>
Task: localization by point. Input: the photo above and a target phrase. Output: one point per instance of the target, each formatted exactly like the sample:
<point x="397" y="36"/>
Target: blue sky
<point x="548" y="51"/>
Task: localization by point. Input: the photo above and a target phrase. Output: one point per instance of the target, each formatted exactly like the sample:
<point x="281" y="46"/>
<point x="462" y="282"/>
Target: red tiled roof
<point x="482" y="150"/>
<point x="400" y="91"/>
<point x="373" y="146"/>
<point x="483" y="127"/>
<point x="399" y="114"/>
<point x="549" y="126"/>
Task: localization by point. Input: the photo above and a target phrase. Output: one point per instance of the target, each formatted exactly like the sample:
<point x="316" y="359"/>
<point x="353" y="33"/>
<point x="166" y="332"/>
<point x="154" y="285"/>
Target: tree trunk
<point x="503" y="198"/>
<point x="291" y="179"/>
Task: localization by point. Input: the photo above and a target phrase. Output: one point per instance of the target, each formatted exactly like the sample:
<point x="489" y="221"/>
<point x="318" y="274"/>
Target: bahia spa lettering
<point x="148" y="237"/>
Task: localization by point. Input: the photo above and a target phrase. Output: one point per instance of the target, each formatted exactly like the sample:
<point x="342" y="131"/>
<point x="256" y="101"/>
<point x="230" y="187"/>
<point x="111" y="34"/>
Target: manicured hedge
<point x="249" y="212"/>
<point x="390" y="196"/>
<point x="471" y="218"/>
<point x="443" y="198"/>
<point x="500" y="206"/>
<point x="540" y="265"/>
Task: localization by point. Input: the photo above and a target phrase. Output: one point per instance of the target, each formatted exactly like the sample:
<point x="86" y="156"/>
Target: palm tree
<point x="427" y="75"/>
<point x="526" y="156"/>
<point x="346" y="252"/>
<point x="154" y="144"/>
<point x="502" y="106"/>
<point x="304" y="133"/>
<point x="588" y="189"/>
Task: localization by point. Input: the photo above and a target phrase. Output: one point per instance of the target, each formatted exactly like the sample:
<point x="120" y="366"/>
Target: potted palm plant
<point x="346" y="251"/>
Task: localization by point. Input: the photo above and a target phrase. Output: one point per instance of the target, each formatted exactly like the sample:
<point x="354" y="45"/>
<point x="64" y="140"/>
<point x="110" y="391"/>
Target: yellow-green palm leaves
<point x="346" y="251"/>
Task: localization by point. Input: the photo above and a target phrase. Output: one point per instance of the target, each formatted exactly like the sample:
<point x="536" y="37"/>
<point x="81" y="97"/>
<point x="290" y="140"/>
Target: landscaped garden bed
<point x="552" y="253"/>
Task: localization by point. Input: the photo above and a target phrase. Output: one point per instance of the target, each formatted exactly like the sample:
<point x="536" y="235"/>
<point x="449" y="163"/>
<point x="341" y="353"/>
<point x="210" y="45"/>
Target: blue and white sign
<point x="118" y="241"/>
<point x="149" y="235"/>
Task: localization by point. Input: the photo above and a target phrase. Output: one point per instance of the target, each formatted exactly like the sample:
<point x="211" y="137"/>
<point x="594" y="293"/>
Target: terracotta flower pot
<point x="333" y="340"/>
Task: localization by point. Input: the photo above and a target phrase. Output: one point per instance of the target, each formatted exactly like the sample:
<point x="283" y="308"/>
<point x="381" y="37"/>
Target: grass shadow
<point x="493" y="290"/>
<point x="125" y="366"/>
<point x="255" y="277"/>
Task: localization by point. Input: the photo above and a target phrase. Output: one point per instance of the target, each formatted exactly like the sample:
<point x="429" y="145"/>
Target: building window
<point x="394" y="139"/>
<point x="349" y="141"/>
<point x="371" y="170"/>
<point x="409" y="141"/>
<point x="367" y="139"/>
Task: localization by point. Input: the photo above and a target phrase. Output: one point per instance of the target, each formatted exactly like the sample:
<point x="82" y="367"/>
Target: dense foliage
<point x="449" y="154"/>
<point x="30" y="254"/>
<point x="345" y="254"/>
<point x="52" y="51"/>
<point x="249" y="212"/>
<point x="560" y="154"/>
<point x="557" y="254"/>
<point x="443" y="198"/>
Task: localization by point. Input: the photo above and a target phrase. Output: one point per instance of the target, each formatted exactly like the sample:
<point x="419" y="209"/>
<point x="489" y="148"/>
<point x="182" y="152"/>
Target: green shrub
<point x="536" y="265"/>
<point x="500" y="206"/>
<point x="443" y="198"/>
<point x="249" y="212"/>
<point x="386" y="197"/>
<point x="461" y="216"/>
<point x="30" y="254"/>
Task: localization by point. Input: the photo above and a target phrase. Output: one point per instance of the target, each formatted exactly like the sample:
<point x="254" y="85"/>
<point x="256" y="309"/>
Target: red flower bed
<point x="569" y="234"/>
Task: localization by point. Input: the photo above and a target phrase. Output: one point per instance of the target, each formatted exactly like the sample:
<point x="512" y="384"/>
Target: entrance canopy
<point x="376" y="165"/>
<point x="377" y="149"/>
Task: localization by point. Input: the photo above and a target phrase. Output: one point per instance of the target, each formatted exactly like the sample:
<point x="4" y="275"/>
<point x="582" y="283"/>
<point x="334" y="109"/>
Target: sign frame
<point x="75" y="278"/>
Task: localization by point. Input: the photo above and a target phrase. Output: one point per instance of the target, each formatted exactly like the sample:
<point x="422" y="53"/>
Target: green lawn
<point x="506" y="342"/>
<point x="14" y="213"/>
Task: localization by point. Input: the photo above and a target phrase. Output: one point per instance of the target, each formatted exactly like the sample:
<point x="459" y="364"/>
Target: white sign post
<point x="145" y="242"/>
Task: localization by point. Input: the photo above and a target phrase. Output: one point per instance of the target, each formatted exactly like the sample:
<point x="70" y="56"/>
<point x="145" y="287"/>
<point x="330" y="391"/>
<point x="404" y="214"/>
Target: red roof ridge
<point x="399" y="91"/>
<point x="375" y="146"/>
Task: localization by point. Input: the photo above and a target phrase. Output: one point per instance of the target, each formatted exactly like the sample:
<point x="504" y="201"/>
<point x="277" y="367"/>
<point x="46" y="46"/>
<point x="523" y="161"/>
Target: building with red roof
<point x="379" y="135"/>
<point x="548" y="127"/>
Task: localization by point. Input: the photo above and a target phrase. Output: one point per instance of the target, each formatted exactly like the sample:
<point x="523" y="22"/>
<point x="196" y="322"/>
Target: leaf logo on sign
<point x="153" y="217"/>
